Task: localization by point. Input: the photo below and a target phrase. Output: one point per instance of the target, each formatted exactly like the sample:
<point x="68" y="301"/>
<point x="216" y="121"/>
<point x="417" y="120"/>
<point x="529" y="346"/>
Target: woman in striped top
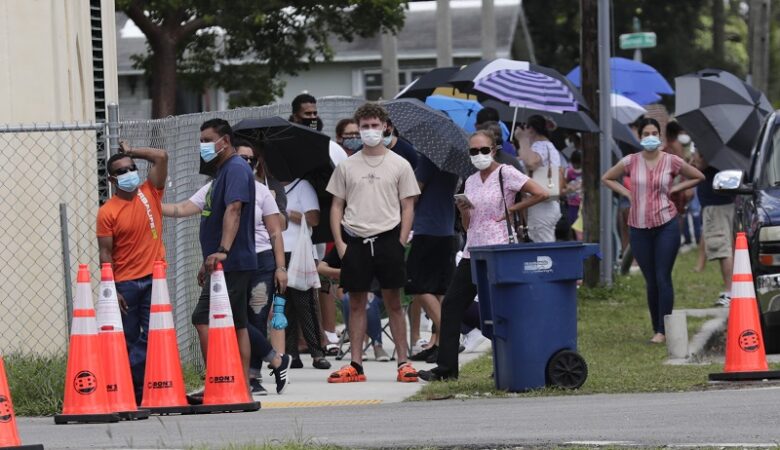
<point x="654" y="232"/>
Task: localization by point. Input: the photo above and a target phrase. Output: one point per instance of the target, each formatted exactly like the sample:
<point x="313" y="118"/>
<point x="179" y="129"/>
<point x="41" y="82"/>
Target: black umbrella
<point x="429" y="82"/>
<point x="464" y="79"/>
<point x="432" y="133"/>
<point x="625" y="138"/>
<point x="570" y="120"/>
<point x="293" y="151"/>
<point x="722" y="114"/>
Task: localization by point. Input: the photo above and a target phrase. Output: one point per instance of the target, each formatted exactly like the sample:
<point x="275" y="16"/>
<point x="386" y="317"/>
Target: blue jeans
<point x="373" y="316"/>
<point x="263" y="288"/>
<point x="655" y="250"/>
<point x="138" y="296"/>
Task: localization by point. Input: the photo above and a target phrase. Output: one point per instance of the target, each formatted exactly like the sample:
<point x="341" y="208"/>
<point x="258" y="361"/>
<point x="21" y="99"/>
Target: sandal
<point x="346" y="374"/>
<point x="331" y="349"/>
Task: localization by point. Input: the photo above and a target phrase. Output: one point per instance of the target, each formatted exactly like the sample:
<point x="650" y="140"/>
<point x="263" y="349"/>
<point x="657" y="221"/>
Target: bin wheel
<point x="567" y="369"/>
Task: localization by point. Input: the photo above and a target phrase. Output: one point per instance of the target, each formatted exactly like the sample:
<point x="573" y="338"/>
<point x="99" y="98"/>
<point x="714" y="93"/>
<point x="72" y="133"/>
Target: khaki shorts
<point x="718" y="231"/>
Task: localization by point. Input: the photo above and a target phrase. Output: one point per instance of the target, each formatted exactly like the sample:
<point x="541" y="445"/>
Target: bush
<point x="36" y="383"/>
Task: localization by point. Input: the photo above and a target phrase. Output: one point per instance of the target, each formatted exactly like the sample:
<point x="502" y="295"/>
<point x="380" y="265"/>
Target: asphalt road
<point x="723" y="417"/>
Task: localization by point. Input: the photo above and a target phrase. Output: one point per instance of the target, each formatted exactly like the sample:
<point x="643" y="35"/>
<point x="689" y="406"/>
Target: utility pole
<point x="488" y="30"/>
<point x="591" y="178"/>
<point x="526" y="34"/>
<point x="443" y="34"/>
<point x="758" y="43"/>
<point x="389" y="44"/>
<point x="605" y="123"/>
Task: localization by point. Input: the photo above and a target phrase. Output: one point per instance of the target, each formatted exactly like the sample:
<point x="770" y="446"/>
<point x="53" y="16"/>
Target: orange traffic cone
<point x="226" y="388"/>
<point x="163" y="381"/>
<point x="85" y="384"/>
<point x="745" y="353"/>
<point x="119" y="382"/>
<point x="9" y="436"/>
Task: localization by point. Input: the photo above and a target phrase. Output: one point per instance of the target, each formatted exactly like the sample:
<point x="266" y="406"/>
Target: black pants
<point x="460" y="295"/>
<point x="301" y="308"/>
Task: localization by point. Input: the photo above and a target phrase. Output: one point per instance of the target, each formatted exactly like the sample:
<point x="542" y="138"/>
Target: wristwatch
<point x="283" y="269"/>
<point x="222" y="249"/>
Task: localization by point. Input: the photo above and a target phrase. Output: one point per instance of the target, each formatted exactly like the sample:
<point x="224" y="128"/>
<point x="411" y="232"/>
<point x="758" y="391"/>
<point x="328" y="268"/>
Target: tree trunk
<point x="163" y="77"/>
<point x="591" y="176"/>
<point x="718" y="31"/>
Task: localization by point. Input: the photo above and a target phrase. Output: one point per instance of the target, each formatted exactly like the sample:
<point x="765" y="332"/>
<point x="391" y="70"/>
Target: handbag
<point x="549" y="180"/>
<point x="508" y="218"/>
<point x="302" y="273"/>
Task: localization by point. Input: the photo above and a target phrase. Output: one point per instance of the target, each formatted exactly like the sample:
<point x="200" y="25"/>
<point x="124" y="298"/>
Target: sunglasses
<point x="248" y="159"/>
<point x="124" y="170"/>
<point x="484" y="150"/>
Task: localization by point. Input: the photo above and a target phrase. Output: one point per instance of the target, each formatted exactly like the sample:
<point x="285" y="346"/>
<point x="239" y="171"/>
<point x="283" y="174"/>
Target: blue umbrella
<point x="463" y="112"/>
<point x="633" y="79"/>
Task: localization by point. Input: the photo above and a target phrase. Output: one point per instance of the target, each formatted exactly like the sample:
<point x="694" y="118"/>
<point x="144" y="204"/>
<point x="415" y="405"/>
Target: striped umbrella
<point x="527" y="89"/>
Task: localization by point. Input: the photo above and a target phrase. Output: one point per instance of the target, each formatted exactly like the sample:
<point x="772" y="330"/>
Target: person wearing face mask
<point x="304" y="112"/>
<point x="396" y="143"/>
<point x="687" y="205"/>
<point x="129" y="234"/>
<point x="654" y="232"/>
<point x="348" y="136"/>
<point x="491" y="194"/>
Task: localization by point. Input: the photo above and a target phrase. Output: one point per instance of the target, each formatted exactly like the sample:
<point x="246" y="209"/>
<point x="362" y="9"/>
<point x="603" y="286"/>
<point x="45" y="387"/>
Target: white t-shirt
<point x="265" y="205"/>
<point x="301" y="197"/>
<point x="544" y="148"/>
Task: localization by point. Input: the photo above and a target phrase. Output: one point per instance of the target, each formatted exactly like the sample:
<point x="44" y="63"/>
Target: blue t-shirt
<point x="234" y="182"/>
<point x="434" y="214"/>
<point x="406" y="150"/>
<point x="509" y="149"/>
<point x="707" y="195"/>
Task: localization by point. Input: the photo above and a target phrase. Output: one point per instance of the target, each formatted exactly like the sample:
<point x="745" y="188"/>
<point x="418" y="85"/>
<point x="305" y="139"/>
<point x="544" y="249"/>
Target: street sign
<point x="637" y="40"/>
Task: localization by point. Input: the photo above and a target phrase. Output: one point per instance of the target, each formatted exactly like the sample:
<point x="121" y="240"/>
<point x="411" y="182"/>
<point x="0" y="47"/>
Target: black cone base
<point x="166" y="410"/>
<point x="60" y="419"/>
<point x="745" y="376"/>
<point x="232" y="407"/>
<point x="140" y="414"/>
<point x="25" y="447"/>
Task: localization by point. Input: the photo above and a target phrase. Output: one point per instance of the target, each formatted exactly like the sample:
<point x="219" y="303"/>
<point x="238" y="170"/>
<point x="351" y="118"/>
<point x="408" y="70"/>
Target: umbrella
<point x="466" y="77"/>
<point x="722" y="114"/>
<point x="429" y="82"/>
<point x="433" y="133"/>
<point x="570" y="120"/>
<point x="624" y="109"/>
<point x="293" y="151"/>
<point x="625" y="138"/>
<point x="462" y="112"/>
<point x="636" y="80"/>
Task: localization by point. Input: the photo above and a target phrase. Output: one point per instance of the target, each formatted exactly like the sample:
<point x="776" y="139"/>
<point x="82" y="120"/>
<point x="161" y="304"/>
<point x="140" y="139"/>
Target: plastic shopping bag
<point x="302" y="273"/>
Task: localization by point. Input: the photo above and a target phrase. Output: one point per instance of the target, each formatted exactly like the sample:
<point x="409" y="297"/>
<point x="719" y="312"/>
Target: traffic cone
<point x="85" y="384"/>
<point x="226" y="388"/>
<point x="9" y="436"/>
<point x="163" y="381"/>
<point x="745" y="353"/>
<point x="119" y="381"/>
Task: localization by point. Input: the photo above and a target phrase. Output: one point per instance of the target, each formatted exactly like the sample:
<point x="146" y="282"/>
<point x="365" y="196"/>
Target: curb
<point x="698" y="343"/>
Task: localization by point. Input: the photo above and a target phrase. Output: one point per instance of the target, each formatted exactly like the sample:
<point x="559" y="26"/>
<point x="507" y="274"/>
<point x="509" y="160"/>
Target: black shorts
<point x="360" y="266"/>
<point x="430" y="265"/>
<point x="239" y="285"/>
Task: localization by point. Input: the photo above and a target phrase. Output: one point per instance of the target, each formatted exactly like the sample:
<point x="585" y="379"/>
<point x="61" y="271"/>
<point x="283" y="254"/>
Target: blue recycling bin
<point x="528" y="307"/>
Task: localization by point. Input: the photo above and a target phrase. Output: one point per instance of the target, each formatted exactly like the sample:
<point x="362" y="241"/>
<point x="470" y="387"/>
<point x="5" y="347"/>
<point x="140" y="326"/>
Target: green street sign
<point x="632" y="41"/>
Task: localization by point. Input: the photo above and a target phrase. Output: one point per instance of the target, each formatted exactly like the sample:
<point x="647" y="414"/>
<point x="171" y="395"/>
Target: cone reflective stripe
<point x="86" y="399"/>
<point x="745" y="352"/>
<point x="163" y="382"/>
<point x="119" y="381"/>
<point x="9" y="435"/>
<point x="226" y="388"/>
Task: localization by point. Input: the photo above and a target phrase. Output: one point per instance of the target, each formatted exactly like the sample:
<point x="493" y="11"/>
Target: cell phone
<point x="463" y="198"/>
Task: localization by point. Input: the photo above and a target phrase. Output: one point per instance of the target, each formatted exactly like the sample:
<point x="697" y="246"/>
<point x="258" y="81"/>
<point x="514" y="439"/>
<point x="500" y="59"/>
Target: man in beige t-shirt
<point x="371" y="217"/>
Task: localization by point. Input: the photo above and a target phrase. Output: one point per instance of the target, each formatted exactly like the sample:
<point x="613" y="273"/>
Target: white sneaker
<point x="723" y="300"/>
<point x="472" y="341"/>
<point x="419" y="346"/>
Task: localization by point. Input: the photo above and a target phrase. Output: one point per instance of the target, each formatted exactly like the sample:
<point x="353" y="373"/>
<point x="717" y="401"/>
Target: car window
<point x="755" y="166"/>
<point x="770" y="175"/>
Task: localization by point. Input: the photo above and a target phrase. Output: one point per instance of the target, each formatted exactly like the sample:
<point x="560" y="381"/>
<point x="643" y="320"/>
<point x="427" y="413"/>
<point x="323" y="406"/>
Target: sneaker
<point x="472" y="340"/>
<point x="434" y="375"/>
<point x="423" y="355"/>
<point x="346" y="374"/>
<point x="433" y="357"/>
<point x="257" y="388"/>
<point x="380" y="354"/>
<point x="406" y="374"/>
<point x="320" y="363"/>
<point x="724" y="300"/>
<point x="296" y="363"/>
<point x="419" y="346"/>
<point x="282" y="374"/>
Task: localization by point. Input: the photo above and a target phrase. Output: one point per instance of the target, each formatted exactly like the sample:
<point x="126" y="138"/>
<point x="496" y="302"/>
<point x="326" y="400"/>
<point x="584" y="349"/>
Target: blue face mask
<point x="387" y="140"/>
<point x="352" y="144"/>
<point x="129" y="181"/>
<point x="208" y="150"/>
<point x="651" y="143"/>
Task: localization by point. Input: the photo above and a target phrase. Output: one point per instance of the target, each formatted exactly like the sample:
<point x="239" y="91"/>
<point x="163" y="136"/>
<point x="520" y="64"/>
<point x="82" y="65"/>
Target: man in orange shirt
<point x="129" y="232"/>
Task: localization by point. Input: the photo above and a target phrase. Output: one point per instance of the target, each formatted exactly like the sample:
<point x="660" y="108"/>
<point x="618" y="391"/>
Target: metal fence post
<point x="66" y="262"/>
<point x="113" y="129"/>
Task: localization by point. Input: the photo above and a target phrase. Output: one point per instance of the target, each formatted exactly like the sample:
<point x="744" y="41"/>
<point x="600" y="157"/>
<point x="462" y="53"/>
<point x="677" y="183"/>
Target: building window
<point x="372" y="81"/>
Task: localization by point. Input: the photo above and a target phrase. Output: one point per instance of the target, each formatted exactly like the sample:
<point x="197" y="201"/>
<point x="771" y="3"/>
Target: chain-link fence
<point x="54" y="180"/>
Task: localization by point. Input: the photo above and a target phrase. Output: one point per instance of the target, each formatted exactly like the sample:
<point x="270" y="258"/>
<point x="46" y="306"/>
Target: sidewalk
<point x="309" y="386"/>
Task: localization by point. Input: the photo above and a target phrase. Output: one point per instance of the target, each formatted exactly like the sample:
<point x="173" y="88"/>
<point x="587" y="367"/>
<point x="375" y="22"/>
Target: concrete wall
<point x="46" y="76"/>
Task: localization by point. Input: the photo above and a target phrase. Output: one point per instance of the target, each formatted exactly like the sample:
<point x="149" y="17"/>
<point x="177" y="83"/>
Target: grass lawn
<point x="614" y="329"/>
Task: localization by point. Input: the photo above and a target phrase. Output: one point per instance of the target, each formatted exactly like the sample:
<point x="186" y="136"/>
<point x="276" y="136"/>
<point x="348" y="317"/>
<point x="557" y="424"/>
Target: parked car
<point x="758" y="215"/>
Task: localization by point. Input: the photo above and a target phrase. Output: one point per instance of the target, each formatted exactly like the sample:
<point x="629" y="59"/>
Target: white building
<point x="355" y="69"/>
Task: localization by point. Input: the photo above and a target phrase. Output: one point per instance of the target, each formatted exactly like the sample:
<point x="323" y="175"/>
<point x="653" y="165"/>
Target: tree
<point x="245" y="44"/>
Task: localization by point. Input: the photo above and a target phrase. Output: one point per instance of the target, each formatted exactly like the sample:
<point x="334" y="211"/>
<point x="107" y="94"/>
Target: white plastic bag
<point x="302" y="273"/>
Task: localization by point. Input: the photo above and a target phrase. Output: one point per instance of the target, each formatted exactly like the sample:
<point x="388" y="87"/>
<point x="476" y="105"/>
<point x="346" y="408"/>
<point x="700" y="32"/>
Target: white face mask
<point x="371" y="138"/>
<point x="568" y="142"/>
<point x="481" y="162"/>
<point x="684" y="139"/>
